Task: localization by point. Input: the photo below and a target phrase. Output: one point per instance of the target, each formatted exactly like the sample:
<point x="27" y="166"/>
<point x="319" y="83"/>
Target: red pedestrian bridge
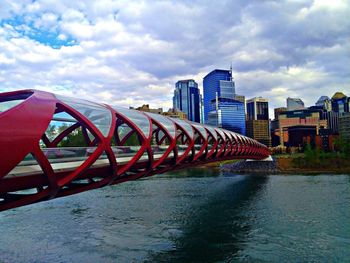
<point x="53" y="146"/>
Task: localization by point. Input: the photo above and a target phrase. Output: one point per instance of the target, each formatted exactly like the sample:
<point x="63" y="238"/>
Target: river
<point x="196" y="215"/>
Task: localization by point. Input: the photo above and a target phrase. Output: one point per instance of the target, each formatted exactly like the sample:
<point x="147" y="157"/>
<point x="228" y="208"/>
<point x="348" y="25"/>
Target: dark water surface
<point x="193" y="216"/>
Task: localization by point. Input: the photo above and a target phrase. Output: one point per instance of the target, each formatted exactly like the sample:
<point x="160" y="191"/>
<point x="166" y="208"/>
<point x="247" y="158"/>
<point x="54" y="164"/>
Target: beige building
<point x="173" y="113"/>
<point x="257" y="124"/>
<point x="259" y="130"/>
<point x="304" y="117"/>
<point x="278" y="111"/>
<point x="146" y="108"/>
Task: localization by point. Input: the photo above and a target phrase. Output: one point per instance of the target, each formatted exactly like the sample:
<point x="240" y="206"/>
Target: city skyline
<point x="116" y="51"/>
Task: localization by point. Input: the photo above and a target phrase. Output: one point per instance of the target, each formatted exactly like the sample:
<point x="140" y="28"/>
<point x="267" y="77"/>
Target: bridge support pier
<point x="267" y="159"/>
<point x="249" y="166"/>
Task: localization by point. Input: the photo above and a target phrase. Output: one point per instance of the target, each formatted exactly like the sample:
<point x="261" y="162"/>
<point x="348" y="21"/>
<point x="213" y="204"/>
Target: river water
<point x="197" y="215"/>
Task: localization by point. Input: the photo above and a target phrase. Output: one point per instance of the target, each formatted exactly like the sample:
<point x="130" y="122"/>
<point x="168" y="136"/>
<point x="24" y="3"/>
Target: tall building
<point x="295" y="104"/>
<point x="228" y="114"/>
<point x="221" y="108"/>
<point x="257" y="109"/>
<point x="257" y="124"/>
<point x="241" y="98"/>
<point x="187" y="99"/>
<point x="344" y="125"/>
<point x="332" y="118"/>
<point x="325" y="103"/>
<point x="217" y="83"/>
<point x="340" y="102"/>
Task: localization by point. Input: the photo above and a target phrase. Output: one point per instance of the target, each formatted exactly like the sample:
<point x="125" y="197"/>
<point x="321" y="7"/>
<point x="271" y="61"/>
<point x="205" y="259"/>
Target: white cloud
<point x="133" y="52"/>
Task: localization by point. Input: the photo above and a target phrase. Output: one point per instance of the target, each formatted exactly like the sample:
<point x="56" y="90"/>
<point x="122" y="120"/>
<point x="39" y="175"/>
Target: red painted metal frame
<point x="24" y="125"/>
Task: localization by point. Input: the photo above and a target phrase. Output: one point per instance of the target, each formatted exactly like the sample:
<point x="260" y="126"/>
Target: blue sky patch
<point x="47" y="36"/>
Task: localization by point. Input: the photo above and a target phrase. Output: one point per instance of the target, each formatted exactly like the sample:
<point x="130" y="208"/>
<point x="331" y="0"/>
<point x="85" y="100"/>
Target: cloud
<point x="133" y="52"/>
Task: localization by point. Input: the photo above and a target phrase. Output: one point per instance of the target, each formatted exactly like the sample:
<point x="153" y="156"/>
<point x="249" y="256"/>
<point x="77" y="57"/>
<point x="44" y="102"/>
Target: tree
<point x="74" y="139"/>
<point x="343" y="145"/>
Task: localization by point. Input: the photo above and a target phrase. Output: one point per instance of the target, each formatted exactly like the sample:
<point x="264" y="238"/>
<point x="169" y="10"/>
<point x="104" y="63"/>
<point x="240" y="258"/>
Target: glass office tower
<point x="295" y="104"/>
<point x="257" y="124"/>
<point x="221" y="109"/>
<point x="257" y="109"/>
<point x="218" y="82"/>
<point x="187" y="99"/>
<point x="229" y="115"/>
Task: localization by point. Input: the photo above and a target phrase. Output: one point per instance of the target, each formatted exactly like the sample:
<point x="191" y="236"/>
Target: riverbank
<point x="289" y="164"/>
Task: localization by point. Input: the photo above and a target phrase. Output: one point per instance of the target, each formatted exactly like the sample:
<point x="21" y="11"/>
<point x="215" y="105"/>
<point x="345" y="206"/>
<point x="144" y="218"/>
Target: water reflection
<point x="216" y="230"/>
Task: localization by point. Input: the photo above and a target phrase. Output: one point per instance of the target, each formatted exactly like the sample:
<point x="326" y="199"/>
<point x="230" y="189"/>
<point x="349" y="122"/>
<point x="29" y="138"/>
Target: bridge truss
<point x="53" y="146"/>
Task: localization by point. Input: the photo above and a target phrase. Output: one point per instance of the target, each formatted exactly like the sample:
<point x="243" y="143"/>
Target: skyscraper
<point x="257" y="124"/>
<point x="295" y="104"/>
<point x="325" y="103"/>
<point x="257" y="109"/>
<point x="220" y="106"/>
<point x="228" y="114"/>
<point x="217" y="83"/>
<point x="187" y="99"/>
<point x="340" y="102"/>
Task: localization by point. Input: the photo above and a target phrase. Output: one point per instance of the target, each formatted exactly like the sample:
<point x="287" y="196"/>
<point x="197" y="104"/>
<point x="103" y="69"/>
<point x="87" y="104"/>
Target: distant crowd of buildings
<point x="293" y="125"/>
<point x="320" y="125"/>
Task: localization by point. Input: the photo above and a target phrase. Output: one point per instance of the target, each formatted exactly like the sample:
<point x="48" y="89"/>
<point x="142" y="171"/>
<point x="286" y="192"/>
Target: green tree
<point x="74" y="139"/>
<point x="343" y="145"/>
<point x="132" y="140"/>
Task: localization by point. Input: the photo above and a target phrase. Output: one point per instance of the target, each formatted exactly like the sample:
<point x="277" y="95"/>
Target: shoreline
<point x="280" y="166"/>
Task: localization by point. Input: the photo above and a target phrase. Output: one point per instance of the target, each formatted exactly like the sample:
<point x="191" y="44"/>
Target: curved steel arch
<point x="118" y="145"/>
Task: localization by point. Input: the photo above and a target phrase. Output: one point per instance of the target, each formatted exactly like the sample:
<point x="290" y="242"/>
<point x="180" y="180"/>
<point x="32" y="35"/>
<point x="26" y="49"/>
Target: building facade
<point x="217" y="83"/>
<point x="259" y="130"/>
<point x="146" y="108"/>
<point x="228" y="114"/>
<point x="325" y="140"/>
<point x="332" y="119"/>
<point x="257" y="123"/>
<point x="325" y="103"/>
<point x="221" y="109"/>
<point x="240" y="98"/>
<point x="344" y="125"/>
<point x="277" y="111"/>
<point x="298" y="119"/>
<point x="173" y="113"/>
<point x="258" y="109"/>
<point x="295" y="104"/>
<point x="187" y="99"/>
<point x="340" y="102"/>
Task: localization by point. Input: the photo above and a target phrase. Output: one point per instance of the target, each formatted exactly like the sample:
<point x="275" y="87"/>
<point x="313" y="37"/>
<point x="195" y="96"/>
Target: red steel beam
<point x="22" y="132"/>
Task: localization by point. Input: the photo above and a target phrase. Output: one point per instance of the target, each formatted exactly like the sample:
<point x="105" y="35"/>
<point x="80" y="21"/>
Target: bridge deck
<point x="27" y="168"/>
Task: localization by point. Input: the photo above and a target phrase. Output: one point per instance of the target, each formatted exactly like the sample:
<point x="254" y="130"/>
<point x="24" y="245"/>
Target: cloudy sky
<point x="133" y="52"/>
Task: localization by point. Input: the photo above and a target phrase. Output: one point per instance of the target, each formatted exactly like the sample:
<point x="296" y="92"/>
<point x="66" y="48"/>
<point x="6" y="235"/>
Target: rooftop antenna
<point x="231" y="78"/>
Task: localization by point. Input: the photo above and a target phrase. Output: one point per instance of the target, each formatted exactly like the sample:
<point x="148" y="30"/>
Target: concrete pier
<point x="265" y="166"/>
